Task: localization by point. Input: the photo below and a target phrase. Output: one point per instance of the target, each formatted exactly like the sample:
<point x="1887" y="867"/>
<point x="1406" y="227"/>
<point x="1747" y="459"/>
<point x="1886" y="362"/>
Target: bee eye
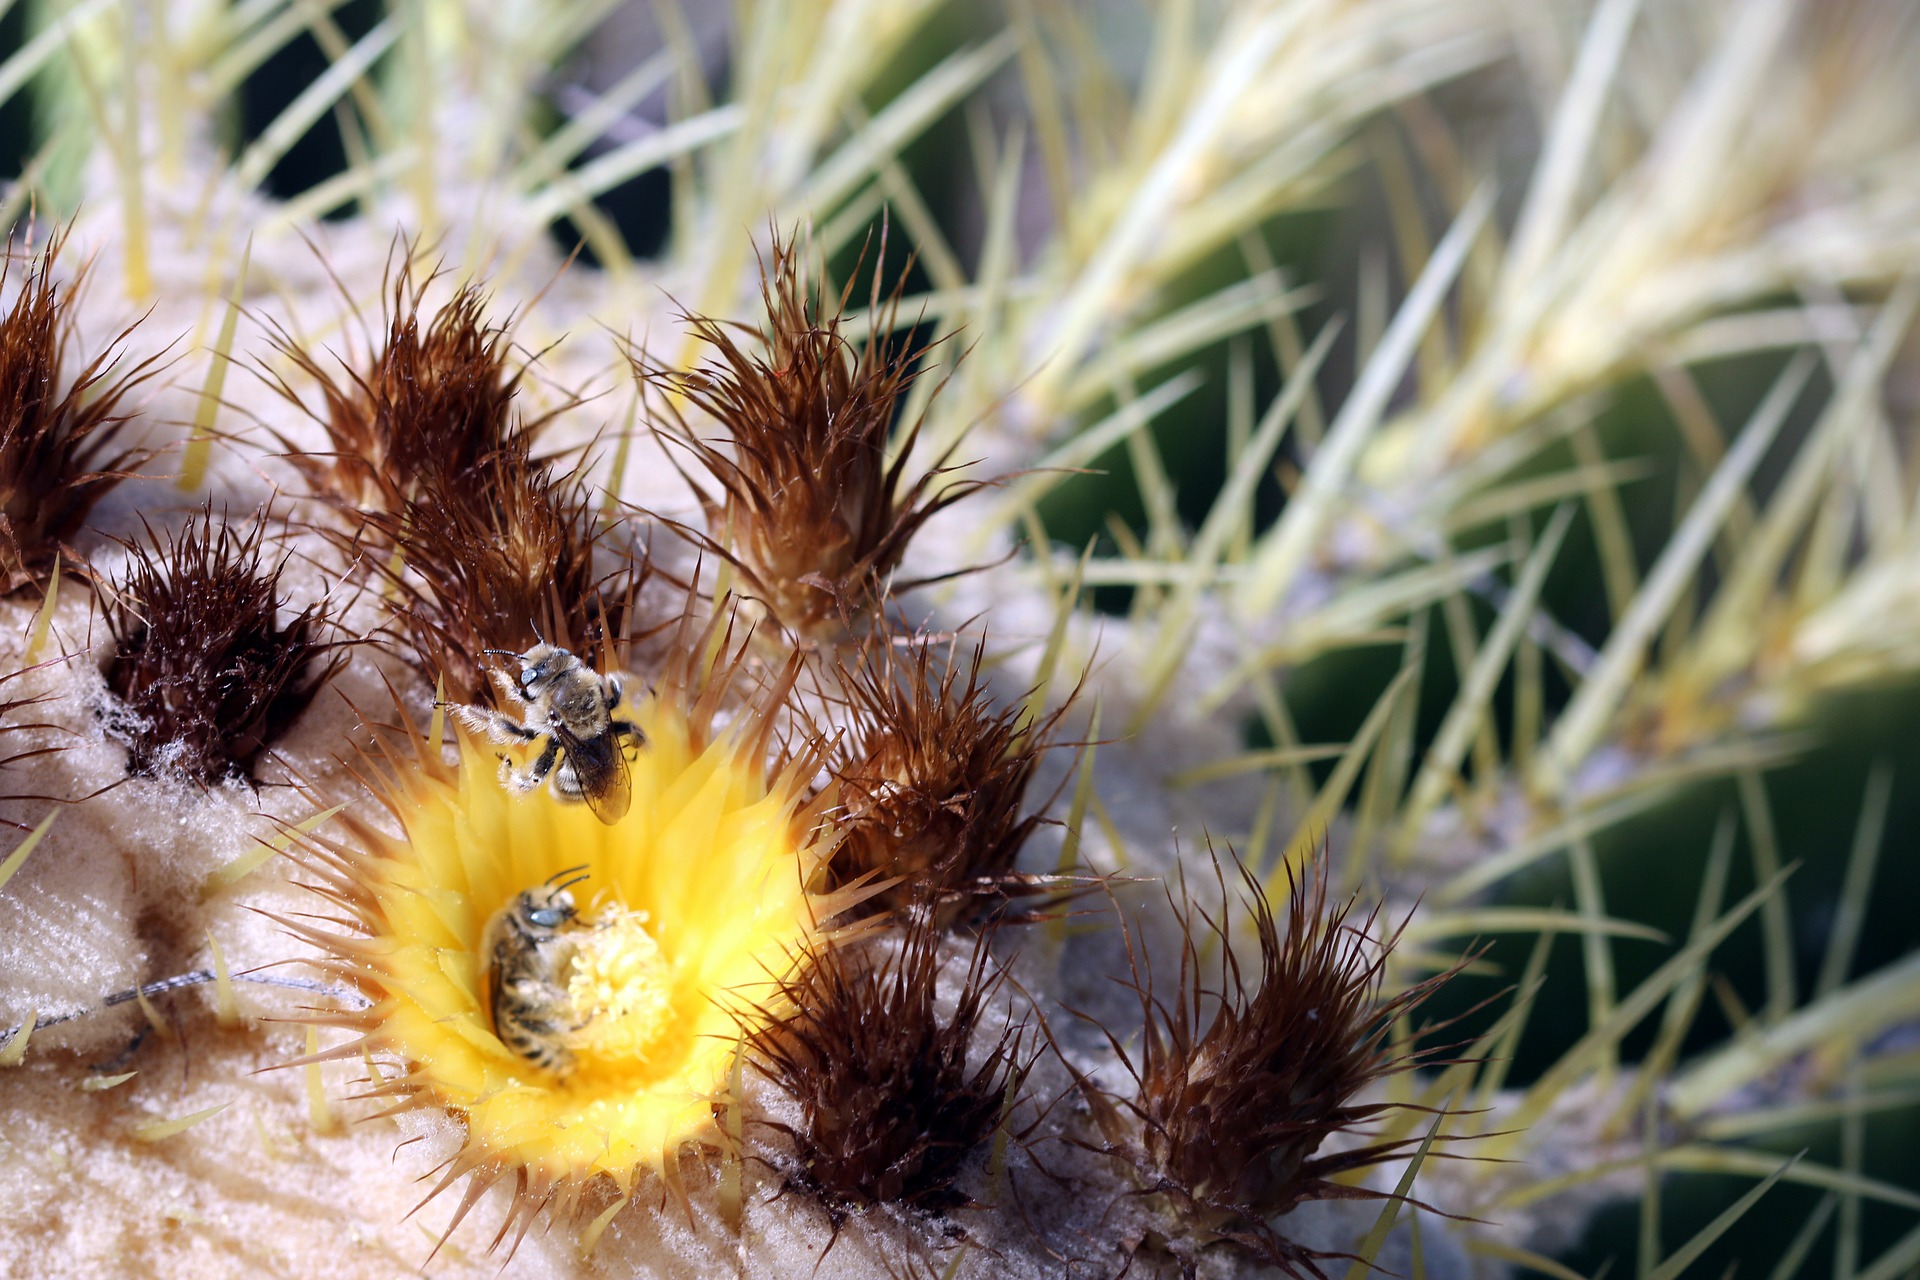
<point x="549" y="917"/>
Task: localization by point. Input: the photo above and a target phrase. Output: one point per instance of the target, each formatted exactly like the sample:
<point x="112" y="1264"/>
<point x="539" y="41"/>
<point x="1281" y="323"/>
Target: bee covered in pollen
<point x="572" y="707"/>
<point x="528" y="948"/>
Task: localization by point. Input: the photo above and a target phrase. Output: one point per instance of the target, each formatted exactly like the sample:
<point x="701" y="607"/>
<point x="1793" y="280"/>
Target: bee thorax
<point x="581" y="708"/>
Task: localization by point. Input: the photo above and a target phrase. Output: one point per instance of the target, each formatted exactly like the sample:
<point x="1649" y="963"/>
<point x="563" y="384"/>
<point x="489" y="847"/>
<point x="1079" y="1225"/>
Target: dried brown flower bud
<point x="433" y="403"/>
<point x="492" y="556"/>
<point x="1237" y="1089"/>
<point x="935" y="782"/>
<point x="890" y="1107"/>
<point x="58" y="454"/>
<point x="816" y="508"/>
<point x="206" y="674"/>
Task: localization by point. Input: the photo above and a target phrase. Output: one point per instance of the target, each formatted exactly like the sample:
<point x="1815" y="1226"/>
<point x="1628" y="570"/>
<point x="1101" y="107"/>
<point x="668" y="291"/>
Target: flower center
<point x="621" y="989"/>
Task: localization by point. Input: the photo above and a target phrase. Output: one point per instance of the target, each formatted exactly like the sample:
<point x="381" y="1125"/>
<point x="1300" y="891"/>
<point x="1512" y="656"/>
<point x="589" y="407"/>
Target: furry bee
<point x="572" y="707"/>
<point x="528" y="946"/>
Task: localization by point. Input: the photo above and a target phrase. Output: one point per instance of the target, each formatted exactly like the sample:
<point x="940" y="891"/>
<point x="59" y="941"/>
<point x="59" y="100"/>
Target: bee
<point x="571" y="706"/>
<point x="528" y="947"/>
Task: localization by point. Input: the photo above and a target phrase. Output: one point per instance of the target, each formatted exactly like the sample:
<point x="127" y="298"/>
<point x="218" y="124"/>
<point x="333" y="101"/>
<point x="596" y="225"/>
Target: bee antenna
<point x="569" y="871"/>
<point x="569" y="884"/>
<point x="508" y="653"/>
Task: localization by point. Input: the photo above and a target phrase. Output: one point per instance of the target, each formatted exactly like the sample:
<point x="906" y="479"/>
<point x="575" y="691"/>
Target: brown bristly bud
<point x="499" y="556"/>
<point x="816" y="505"/>
<point x="889" y="1107"/>
<point x="206" y="675"/>
<point x="434" y="402"/>
<point x="934" y="781"/>
<point x="1237" y="1088"/>
<point x="59" y="450"/>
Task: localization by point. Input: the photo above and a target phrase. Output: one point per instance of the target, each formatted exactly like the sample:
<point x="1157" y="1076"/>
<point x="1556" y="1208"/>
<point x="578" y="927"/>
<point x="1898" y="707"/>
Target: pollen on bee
<point x="621" y="989"/>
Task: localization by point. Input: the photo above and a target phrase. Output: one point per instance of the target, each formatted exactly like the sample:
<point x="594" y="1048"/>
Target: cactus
<point x="1252" y="636"/>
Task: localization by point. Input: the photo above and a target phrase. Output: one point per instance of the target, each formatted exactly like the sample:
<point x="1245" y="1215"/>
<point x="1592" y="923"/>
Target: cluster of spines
<point x="206" y="673"/>
<point x="810" y="503"/>
<point x="500" y="556"/>
<point x="896" y="1089"/>
<point x="434" y="399"/>
<point x="894" y="1096"/>
<point x="440" y="493"/>
<point x="934" y="777"/>
<point x="61" y="430"/>
<point x="1236" y="1088"/>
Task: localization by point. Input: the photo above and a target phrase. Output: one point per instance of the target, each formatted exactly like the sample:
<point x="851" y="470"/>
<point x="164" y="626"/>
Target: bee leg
<point x="536" y="773"/>
<point x="506" y="685"/>
<point x="498" y="727"/>
<point x="628" y="729"/>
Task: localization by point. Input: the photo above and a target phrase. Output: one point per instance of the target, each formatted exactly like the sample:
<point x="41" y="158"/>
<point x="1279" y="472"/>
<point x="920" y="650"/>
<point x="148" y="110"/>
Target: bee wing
<point x="601" y="767"/>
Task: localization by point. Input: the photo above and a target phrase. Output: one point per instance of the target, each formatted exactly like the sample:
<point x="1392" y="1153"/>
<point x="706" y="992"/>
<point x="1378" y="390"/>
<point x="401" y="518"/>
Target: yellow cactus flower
<point x="691" y="910"/>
